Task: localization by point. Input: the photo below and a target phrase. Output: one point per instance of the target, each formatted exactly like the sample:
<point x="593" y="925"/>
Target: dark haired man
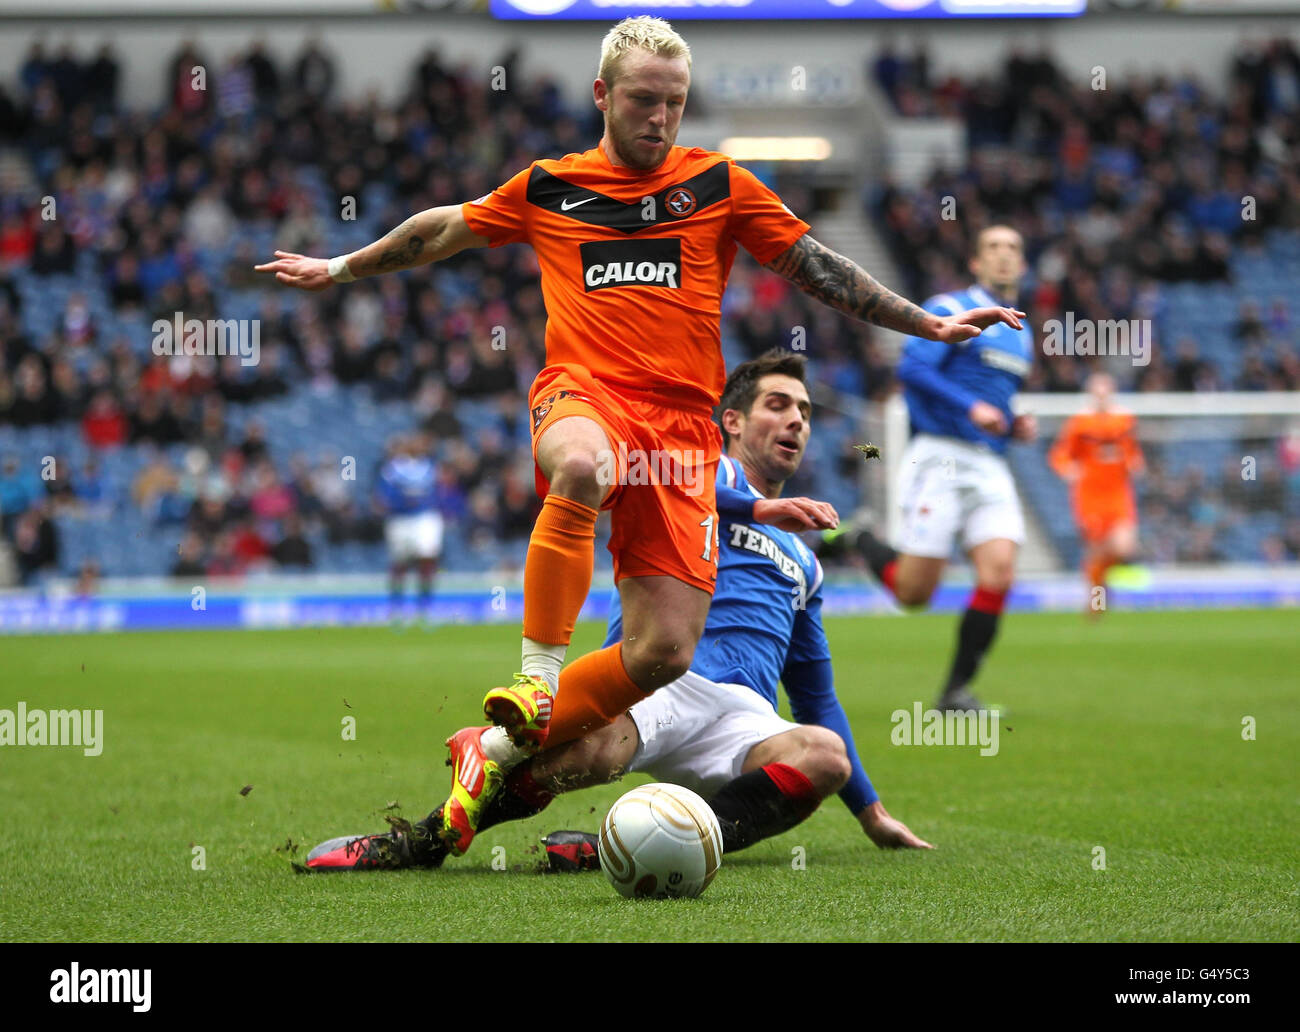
<point x="954" y="476"/>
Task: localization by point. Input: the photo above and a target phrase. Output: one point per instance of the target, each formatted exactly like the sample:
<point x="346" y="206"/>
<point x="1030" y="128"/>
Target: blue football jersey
<point x="942" y="381"/>
<point x="408" y="484"/>
<point x="766" y="609"/>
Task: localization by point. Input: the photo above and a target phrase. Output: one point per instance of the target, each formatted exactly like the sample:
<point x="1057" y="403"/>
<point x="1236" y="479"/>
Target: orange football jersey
<point x="1103" y="445"/>
<point x="634" y="263"/>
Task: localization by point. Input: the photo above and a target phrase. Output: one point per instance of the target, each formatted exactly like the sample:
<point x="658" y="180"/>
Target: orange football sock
<point x="594" y="690"/>
<point x="1097" y="571"/>
<point x="557" y="571"/>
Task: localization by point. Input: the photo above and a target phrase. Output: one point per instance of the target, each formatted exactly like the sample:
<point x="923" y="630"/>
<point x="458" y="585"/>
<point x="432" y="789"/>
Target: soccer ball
<point x="660" y="841"/>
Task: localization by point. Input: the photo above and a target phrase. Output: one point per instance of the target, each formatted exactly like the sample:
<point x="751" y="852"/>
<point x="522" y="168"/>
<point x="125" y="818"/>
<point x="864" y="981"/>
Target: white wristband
<point x="339" y="271"/>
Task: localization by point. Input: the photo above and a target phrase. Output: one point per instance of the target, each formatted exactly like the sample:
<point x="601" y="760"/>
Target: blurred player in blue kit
<point x="954" y="476"/>
<point x="407" y="494"/>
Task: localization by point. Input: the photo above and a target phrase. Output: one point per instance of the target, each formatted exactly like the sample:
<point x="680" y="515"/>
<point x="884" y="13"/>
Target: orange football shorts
<point x="1098" y="517"/>
<point x="661" y="465"/>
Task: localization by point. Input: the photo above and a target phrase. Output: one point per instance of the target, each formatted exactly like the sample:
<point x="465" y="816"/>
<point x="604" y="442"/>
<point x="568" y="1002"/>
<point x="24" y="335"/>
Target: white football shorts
<point x="948" y="485"/>
<point x="414" y="536"/>
<point x="696" y="733"/>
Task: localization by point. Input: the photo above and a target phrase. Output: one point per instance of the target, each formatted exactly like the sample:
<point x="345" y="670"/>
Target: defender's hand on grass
<point x="796" y="514"/>
<point x="888" y="832"/>
<point x="297" y="270"/>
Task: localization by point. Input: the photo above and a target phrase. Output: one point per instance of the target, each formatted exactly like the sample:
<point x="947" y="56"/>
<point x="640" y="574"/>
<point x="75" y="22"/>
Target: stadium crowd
<point x="1117" y="187"/>
<point x="113" y="219"/>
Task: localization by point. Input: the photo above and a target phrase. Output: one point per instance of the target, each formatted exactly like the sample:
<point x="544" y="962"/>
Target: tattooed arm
<point x="844" y="285"/>
<point x="429" y="236"/>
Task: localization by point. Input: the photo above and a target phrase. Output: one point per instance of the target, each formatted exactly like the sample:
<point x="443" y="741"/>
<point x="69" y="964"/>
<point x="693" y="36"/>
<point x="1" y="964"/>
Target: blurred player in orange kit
<point x="635" y="239"/>
<point x="1098" y="454"/>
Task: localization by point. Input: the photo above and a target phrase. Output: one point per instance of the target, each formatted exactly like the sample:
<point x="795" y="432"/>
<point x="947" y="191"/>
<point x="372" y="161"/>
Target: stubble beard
<point x="623" y="144"/>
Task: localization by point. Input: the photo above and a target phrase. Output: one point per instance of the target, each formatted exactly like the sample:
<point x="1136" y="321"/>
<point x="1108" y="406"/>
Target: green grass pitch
<point x="1126" y="735"/>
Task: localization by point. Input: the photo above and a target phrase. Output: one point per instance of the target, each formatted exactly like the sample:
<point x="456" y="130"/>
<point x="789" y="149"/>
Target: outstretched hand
<point x="953" y="329"/>
<point x="297" y="270"/>
<point x="795" y="514"/>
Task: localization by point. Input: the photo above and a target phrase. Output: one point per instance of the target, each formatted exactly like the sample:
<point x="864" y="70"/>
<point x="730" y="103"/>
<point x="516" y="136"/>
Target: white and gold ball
<point x="660" y="841"/>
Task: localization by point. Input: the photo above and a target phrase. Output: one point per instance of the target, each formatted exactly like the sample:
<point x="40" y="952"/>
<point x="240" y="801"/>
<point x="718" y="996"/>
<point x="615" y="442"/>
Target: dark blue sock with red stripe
<point x="882" y="559"/>
<point x="979" y="626"/>
<point x="762" y="803"/>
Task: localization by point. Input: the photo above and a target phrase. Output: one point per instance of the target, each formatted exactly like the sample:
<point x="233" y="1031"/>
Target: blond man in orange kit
<point x="635" y="240"/>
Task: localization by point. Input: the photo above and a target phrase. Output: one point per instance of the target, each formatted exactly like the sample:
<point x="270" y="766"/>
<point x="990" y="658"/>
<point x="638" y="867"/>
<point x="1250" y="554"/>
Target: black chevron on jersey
<point x="597" y="209"/>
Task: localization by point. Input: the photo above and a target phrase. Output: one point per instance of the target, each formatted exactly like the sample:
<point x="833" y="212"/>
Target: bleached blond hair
<point x="653" y="35"/>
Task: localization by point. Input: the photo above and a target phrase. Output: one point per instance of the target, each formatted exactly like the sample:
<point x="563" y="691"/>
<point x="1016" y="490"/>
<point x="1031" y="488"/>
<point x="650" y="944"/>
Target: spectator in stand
<point x="223" y="561"/>
<point x="156" y="491"/>
<point x="94" y="489"/>
<point x="266" y="78"/>
<point x="104" y="424"/>
<point x="17" y="239"/>
<point x="452" y="501"/>
<point x="1249" y="328"/>
<point x="21" y="487"/>
<point x="189" y="558"/>
<point x="187" y="86"/>
<point x="389" y="385"/>
<point x="208" y="219"/>
<point x="56" y="254"/>
<point x="517" y="504"/>
<point x="249" y="547"/>
<point x="87" y="579"/>
<point x="69" y="394"/>
<point x="212" y="432"/>
<point x="352" y="363"/>
<point x="1190" y="372"/>
<point x="208" y="517"/>
<point x="305" y="502"/>
<point x="101" y="80"/>
<point x="270" y="500"/>
<point x="293" y="549"/>
<point x="154" y="421"/>
<point x="34" y="403"/>
<point x="59" y="489"/>
<point x="253" y="447"/>
<point x="35" y="544"/>
<point x="313" y="74"/>
<point x="36" y="67"/>
<point x="268" y="381"/>
<point x="435" y="410"/>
